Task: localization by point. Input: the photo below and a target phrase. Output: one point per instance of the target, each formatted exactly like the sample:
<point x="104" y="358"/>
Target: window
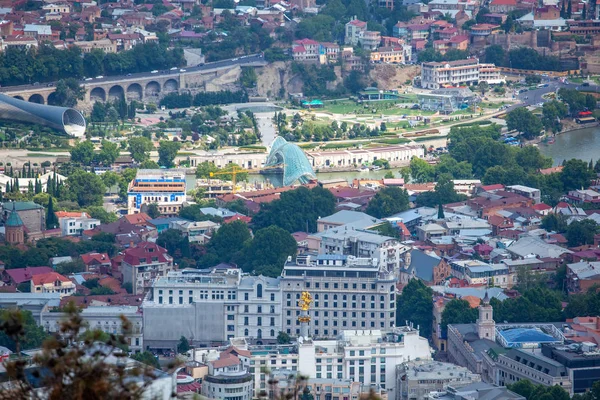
<point x="246" y="296"/>
<point x="259" y="290"/>
<point x="259" y="321"/>
<point x="246" y="332"/>
<point x="259" y="309"/>
<point x="272" y="296"/>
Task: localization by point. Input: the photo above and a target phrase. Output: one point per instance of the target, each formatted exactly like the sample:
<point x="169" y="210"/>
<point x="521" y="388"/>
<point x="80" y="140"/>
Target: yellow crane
<point x="237" y="170"/>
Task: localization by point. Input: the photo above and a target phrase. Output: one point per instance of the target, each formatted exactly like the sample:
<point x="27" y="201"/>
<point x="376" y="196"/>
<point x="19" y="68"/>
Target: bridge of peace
<point x="145" y="87"/>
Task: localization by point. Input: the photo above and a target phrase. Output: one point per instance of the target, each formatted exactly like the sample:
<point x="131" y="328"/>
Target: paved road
<point x="245" y="60"/>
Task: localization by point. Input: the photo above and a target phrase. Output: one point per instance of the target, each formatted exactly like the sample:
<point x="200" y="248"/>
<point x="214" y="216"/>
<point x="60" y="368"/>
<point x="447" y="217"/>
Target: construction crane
<point x="238" y="170"/>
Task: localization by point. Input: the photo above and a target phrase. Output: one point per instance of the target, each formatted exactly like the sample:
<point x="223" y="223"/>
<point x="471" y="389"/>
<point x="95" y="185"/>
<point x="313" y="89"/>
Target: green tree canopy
<point x="415" y="304"/>
<point x="85" y="188"/>
<point x="296" y="210"/>
<point x="388" y="201"/>
<point x="458" y="311"/>
<point x="139" y="148"/>
<point x="267" y="252"/>
<point x="83" y="153"/>
<point x="525" y="122"/>
<point x="167" y="152"/>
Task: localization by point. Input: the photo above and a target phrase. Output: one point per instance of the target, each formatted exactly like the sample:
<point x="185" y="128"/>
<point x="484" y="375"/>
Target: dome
<point x="14" y="220"/>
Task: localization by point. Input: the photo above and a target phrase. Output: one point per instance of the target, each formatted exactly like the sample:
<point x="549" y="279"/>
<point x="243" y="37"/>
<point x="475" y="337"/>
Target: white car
<point x="174" y="69"/>
<point x="154" y="72"/>
<point x="182" y="70"/>
<point x="99" y="77"/>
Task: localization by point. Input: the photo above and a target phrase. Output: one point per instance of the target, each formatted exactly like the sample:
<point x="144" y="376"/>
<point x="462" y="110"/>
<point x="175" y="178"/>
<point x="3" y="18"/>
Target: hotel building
<point x="166" y="188"/>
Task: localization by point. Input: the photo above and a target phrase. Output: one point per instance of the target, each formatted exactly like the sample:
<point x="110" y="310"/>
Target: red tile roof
<point x="503" y="3"/>
<point x="541" y="207"/>
<point x="49" y="277"/>
<point x="489" y="188"/>
<point x="137" y="219"/>
<point x="146" y="250"/>
<point x="20" y="275"/>
<point x="225" y="360"/>
<point x="96" y="258"/>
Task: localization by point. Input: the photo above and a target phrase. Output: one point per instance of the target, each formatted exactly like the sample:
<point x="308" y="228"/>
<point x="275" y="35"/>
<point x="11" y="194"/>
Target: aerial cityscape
<point x="300" y="199"/>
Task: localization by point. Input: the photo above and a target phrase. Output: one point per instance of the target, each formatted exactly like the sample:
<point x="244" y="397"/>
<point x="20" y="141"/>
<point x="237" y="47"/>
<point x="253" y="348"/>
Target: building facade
<point x="348" y="292"/>
<point x="435" y="75"/>
<point x="212" y="306"/>
<point x="144" y="263"/>
<point x="166" y="188"/>
<point x="103" y="318"/>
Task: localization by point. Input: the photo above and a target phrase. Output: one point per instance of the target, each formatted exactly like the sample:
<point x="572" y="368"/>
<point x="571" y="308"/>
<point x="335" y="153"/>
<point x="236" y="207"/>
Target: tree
<point x="267" y="252"/>
<point x="101" y="214"/>
<point x="183" y="346"/>
<point x="109" y="152"/>
<point x="51" y="219"/>
<point x="167" y="152"/>
<point x="576" y="175"/>
<point x="553" y="111"/>
<point x="31" y="336"/>
<point x="483" y="87"/>
<point x="68" y="92"/>
<point x="83" y="153"/>
<point x="415" y="304"/>
<point x="283" y="338"/>
<point x="85" y="188"/>
<point x="147" y="358"/>
<point x="388" y="201"/>
<point x="153" y="211"/>
<point x="75" y="366"/>
<point x="525" y="122"/>
<point x="421" y="171"/>
<point x="529" y="391"/>
<point x="495" y="55"/>
<point x="296" y="210"/>
<point x="110" y="179"/>
<point x="458" y="312"/>
<point x="229" y="239"/>
<point x="582" y="232"/>
<point x="139" y="148"/>
<point x="174" y="241"/>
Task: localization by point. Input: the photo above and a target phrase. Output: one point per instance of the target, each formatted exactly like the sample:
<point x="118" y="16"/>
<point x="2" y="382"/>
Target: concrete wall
<point x="199" y="323"/>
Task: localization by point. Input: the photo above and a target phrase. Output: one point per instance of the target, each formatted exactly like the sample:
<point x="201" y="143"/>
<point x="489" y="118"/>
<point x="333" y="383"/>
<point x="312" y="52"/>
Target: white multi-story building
<point x="74" y="226"/>
<point x="348" y="293"/>
<point x="165" y="187"/>
<point x="212" y="306"/>
<point x="103" y="318"/>
<point x="369" y="357"/>
<point x="435" y="75"/>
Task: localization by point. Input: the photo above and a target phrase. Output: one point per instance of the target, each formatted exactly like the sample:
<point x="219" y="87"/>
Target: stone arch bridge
<point x="145" y="87"/>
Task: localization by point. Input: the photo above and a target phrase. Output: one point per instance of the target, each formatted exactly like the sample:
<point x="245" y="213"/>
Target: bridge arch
<point x="18" y="97"/>
<point x="135" y="92"/>
<point x="293" y="161"/>
<point x="98" y="94"/>
<point x="116" y="92"/>
<point x="52" y="99"/>
<point x="152" y="88"/>
<point x="171" y="85"/>
<point x="36" y="98"/>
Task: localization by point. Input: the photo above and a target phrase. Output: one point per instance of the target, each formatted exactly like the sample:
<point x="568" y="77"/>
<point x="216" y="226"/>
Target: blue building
<point x="164" y="187"/>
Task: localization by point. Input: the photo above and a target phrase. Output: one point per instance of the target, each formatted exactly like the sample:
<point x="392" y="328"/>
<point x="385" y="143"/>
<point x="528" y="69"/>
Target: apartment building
<point x="386" y="252"/>
<point x="212" y="306"/>
<point x="417" y="379"/>
<point x="348" y="293"/>
<point x="105" y="318"/>
<point x="52" y="282"/>
<point x="354" y="30"/>
<point x="166" y="188"/>
<point x="435" y="75"/>
<point x="387" y="55"/>
<point x="369" y="40"/>
<point x="368" y="357"/>
<point x="144" y="263"/>
<point x="71" y="225"/>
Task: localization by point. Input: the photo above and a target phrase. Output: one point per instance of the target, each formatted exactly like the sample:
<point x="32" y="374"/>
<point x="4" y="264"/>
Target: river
<point x="583" y="144"/>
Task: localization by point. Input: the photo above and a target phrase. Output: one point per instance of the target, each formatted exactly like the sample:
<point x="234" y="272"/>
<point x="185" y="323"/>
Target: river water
<point x="583" y="144"/>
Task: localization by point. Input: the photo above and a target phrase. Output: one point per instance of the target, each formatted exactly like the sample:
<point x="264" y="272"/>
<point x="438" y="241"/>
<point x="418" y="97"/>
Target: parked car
<point x="154" y="72"/>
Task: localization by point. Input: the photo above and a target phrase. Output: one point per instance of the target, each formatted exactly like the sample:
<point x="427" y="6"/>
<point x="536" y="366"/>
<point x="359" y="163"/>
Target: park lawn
<point x="575" y="80"/>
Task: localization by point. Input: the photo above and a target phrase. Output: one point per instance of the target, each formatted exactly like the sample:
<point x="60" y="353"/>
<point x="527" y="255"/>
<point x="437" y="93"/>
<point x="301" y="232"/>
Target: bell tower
<point x="486" y="327"/>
